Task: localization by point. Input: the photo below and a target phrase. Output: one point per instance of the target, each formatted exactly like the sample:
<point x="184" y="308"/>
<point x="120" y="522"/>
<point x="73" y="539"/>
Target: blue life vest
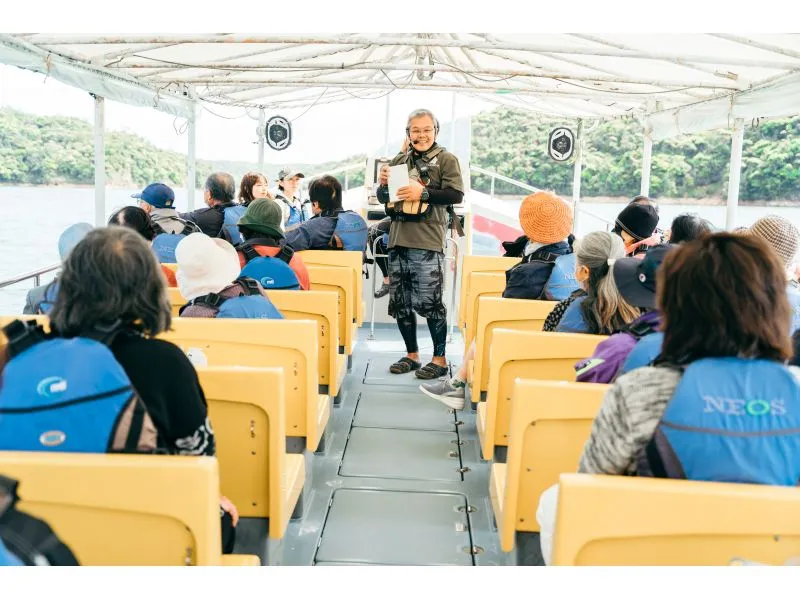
<point x="252" y="304"/>
<point x="273" y="273"/>
<point x="69" y="395"/>
<point x="562" y="282"/>
<point x="164" y="243"/>
<point x="6" y="558"/>
<point x="230" y="229"/>
<point x="573" y="320"/>
<point x="793" y="292"/>
<point x="729" y="420"/>
<point x="48" y="301"/>
<point x="644" y="353"/>
<point x="296" y="215"/>
<point x="350" y="233"/>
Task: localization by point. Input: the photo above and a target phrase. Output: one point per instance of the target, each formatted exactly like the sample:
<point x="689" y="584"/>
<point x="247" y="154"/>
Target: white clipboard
<point x="398" y="177"/>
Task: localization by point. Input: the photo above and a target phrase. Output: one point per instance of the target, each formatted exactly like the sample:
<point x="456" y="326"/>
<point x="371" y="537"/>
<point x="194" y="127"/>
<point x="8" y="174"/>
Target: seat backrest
<point x="246" y="408"/>
<point x="338" y="280"/>
<point x="511" y="314"/>
<point x="287" y="344"/>
<point x="343" y="259"/>
<point x="123" y="509"/>
<point x="481" y="284"/>
<point x="479" y="263"/>
<point x="550" y="423"/>
<point x="619" y="520"/>
<point x="176" y="300"/>
<point x="531" y="355"/>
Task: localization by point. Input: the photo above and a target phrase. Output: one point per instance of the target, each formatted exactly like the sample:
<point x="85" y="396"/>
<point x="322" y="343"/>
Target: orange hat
<point x="545" y="218"/>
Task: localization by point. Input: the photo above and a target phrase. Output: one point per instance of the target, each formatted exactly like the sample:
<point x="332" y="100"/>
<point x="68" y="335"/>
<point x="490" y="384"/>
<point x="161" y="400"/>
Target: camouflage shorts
<point x="416" y="283"/>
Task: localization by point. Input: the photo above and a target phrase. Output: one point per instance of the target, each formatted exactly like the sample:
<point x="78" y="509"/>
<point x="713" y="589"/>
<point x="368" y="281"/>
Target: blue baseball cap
<point x="157" y="195"/>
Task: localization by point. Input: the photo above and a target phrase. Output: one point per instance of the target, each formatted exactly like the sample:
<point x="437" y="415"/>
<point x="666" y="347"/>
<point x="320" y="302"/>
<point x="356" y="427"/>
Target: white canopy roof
<point x="676" y="83"/>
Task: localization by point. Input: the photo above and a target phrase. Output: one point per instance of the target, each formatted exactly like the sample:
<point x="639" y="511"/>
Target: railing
<point x="346" y="169"/>
<point x="34" y="274"/>
<point x="496" y="176"/>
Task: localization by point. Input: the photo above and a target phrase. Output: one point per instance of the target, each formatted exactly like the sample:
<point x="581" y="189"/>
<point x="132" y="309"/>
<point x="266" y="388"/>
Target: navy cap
<point x="636" y="278"/>
<point x="157" y="195"/>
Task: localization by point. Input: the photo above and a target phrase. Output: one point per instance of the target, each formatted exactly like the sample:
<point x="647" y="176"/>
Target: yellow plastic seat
<point x="319" y="306"/>
<point x="550" y="422"/>
<point x="510" y="314"/>
<point x="481" y="284"/>
<point x="340" y="281"/>
<point x="125" y="509"/>
<point x="616" y="520"/>
<point x="345" y="259"/>
<point x="246" y="407"/>
<point x="530" y="355"/>
<point x="288" y="344"/>
<point x="478" y="263"/>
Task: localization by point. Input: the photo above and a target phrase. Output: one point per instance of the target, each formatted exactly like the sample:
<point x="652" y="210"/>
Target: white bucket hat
<point x="205" y="265"/>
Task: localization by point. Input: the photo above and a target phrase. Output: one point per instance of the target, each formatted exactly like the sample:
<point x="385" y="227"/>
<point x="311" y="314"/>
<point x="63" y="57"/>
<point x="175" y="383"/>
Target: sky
<point x="325" y="132"/>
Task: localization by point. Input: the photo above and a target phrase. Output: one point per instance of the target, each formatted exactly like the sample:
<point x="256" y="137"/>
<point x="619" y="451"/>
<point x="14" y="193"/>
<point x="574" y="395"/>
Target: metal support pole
<point x="647" y="161"/>
<point x="375" y="256"/>
<point x="386" y="128"/>
<point x="191" y="160"/>
<point x="262" y="123"/>
<point x="99" y="161"/>
<point x="491" y="191"/>
<point x="451" y="312"/>
<point x="576" y="175"/>
<point x="734" y="176"/>
<point x="453" y="124"/>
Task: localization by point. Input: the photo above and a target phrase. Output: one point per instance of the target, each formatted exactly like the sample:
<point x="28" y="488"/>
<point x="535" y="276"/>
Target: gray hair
<point x="112" y="274"/>
<point x="421" y="113"/>
<point x="604" y="309"/>
<point x="221" y="186"/>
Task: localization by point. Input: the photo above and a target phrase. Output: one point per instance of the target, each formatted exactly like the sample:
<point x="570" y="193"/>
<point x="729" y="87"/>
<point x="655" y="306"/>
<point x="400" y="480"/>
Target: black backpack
<point x="27" y="538"/>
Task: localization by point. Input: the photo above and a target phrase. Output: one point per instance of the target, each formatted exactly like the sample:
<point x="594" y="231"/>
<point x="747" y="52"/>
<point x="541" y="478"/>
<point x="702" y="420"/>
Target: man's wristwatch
<point x="425" y="195"/>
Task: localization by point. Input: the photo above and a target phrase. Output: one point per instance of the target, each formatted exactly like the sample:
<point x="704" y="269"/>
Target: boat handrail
<point x="34" y="274"/>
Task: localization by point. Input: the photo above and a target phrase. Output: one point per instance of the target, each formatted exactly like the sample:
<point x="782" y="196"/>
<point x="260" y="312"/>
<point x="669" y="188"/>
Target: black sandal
<point x="432" y="371"/>
<point x="404" y="365"/>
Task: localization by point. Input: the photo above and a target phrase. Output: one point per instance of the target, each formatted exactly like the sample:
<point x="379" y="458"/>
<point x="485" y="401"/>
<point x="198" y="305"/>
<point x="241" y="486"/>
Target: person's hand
<point x="229" y="508"/>
<point x="383" y="176"/>
<point x="406" y="141"/>
<point x="413" y="192"/>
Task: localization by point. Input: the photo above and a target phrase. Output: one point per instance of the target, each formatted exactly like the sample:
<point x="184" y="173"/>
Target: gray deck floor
<point x="401" y="481"/>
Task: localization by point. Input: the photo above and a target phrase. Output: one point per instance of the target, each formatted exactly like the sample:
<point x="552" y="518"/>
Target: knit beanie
<point x="638" y="220"/>
<point x="205" y="265"/>
<point x="780" y="234"/>
<point x="545" y="218"/>
<point x="264" y="216"/>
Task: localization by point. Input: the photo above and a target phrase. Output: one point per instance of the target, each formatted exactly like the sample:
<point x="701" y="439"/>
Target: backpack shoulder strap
<point x="248" y="285"/>
<point x="639" y="330"/>
<point x="286" y="253"/>
<point x="212" y="300"/>
<point x="248" y="251"/>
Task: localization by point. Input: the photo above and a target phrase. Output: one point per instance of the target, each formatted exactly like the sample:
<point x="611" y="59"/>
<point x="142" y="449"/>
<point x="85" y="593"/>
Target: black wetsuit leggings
<point x="438" y="329"/>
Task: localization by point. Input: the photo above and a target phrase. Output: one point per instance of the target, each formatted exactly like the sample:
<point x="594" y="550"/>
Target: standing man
<point x="420" y="214"/>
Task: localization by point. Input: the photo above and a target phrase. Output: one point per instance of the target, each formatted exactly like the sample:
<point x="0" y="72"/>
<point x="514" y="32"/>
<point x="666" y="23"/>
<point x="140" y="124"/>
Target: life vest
<point x="350" y="233"/>
<point x="230" y="220"/>
<point x="69" y="395"/>
<point x="729" y="420"/>
<point x="573" y="320"/>
<point x="272" y="272"/>
<point x="164" y="243"/>
<point x="296" y="214"/>
<point x="562" y="282"/>
<point x="530" y="278"/>
<point x="251" y="304"/>
<point x="45" y="306"/>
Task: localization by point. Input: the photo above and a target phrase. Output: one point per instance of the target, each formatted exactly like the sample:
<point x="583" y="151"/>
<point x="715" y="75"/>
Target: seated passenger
<point x="39" y="300"/>
<point x="222" y="213"/>
<point x="688" y="227"/>
<point x="138" y="220"/>
<point x="111" y="289"/>
<point x="719" y="404"/>
<point x="597" y="307"/>
<point x="253" y="186"/>
<point x="782" y="236"/>
<point x="331" y="227"/>
<point x="547" y="269"/>
<point x="636" y="281"/>
<point x="208" y="277"/>
<point x="636" y="225"/>
<point x="264" y="254"/>
<point x="157" y="201"/>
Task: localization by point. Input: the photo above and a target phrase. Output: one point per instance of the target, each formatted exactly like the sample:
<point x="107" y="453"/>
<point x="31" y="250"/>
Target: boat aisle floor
<point x="401" y="481"/>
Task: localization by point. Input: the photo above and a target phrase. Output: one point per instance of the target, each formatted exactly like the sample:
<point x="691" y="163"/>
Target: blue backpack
<point x="729" y="420"/>
<point x="537" y="272"/>
<point x="647" y="348"/>
<point x="251" y="304"/>
<point x="230" y="220"/>
<point x="273" y="273"/>
<point x="562" y="282"/>
<point x="350" y="233"/>
<point x="69" y="395"/>
<point x="164" y="243"/>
